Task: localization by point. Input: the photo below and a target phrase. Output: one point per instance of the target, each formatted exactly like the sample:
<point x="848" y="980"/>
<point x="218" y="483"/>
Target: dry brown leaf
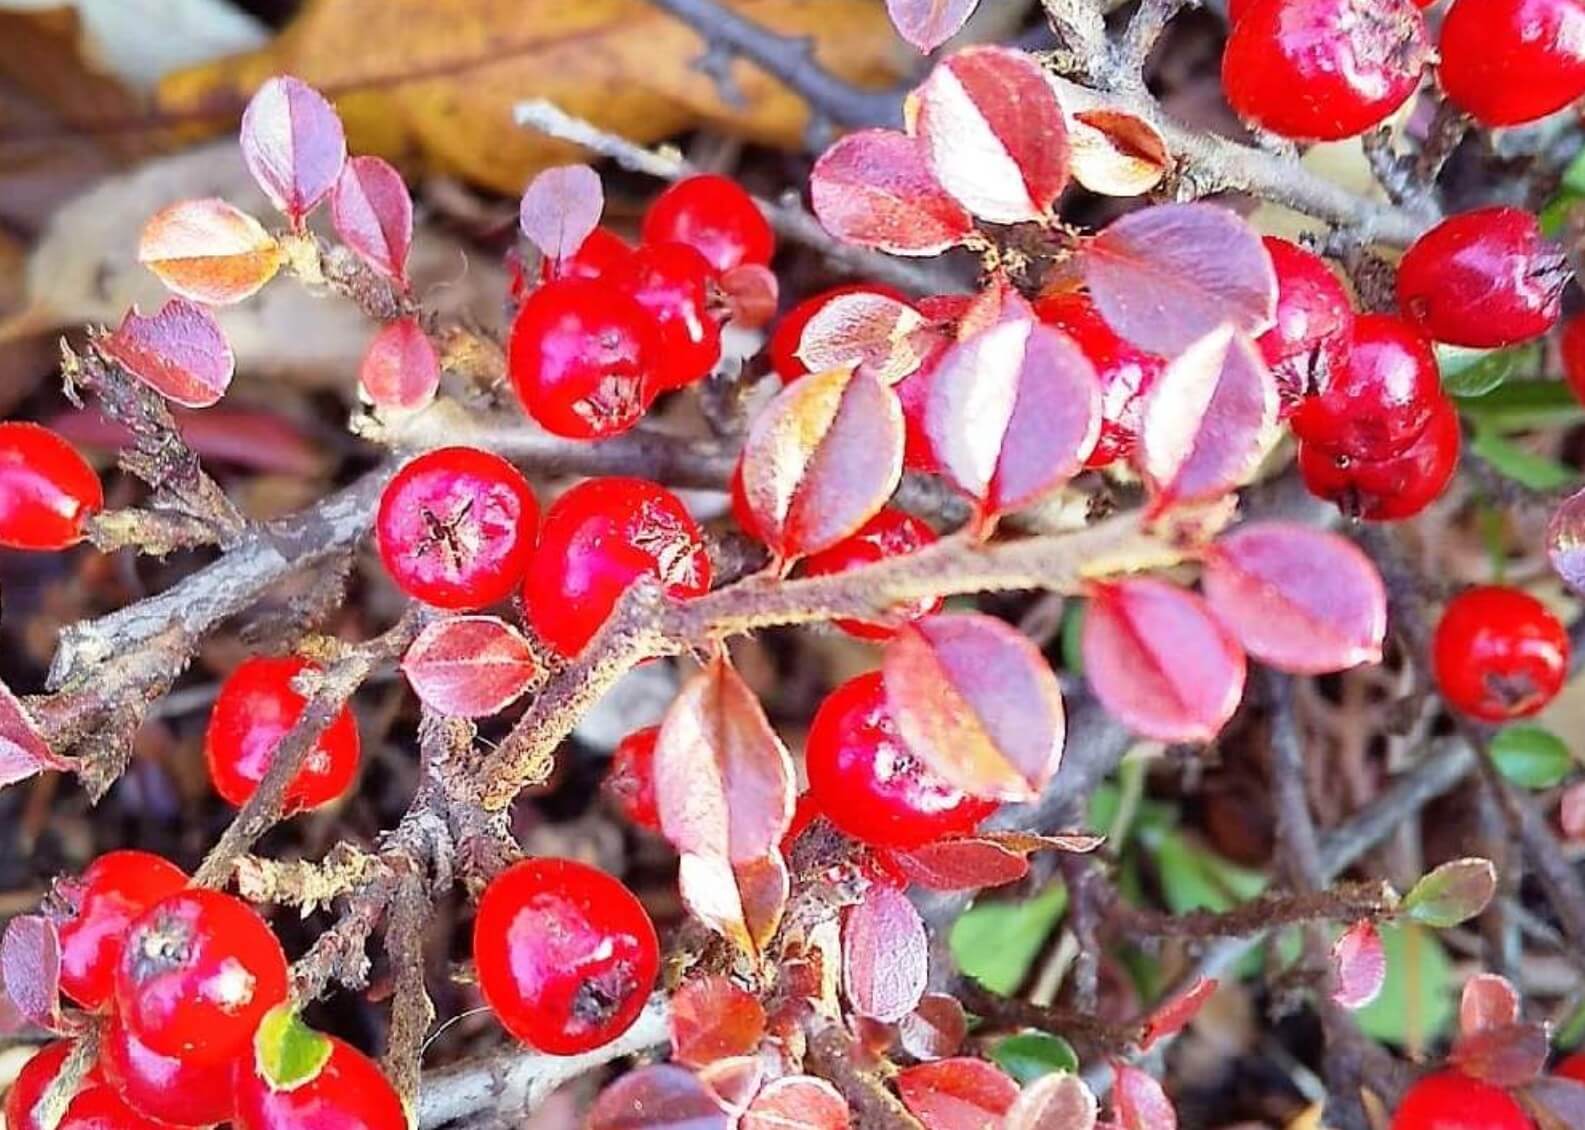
<point x="438" y="78"/>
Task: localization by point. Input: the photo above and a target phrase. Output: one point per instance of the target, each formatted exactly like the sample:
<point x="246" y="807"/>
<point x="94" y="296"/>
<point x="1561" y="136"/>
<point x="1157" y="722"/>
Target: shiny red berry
<point x="169" y="1088"/>
<point x="600" y="252"/>
<point x="1499" y="653"/>
<point x="1387" y="490"/>
<point x="100" y="905"/>
<point x="1381" y="399"/>
<point x="47" y="491"/>
<point x="198" y="971"/>
<point x="869" y="784"/>
<point x="715" y="217"/>
<point x="630" y="782"/>
<point x="256" y="708"/>
<point x="891" y="533"/>
<point x="1507" y="62"/>
<point x="95" y="1106"/>
<point x="1450" y="1100"/>
<point x="456" y="528"/>
<point x="1484" y="279"/>
<point x="1237" y="8"/>
<point x="582" y="357"/>
<point x="1572" y="1068"/>
<point x="1323" y="69"/>
<point x="1127" y="373"/>
<point x="348" y="1091"/>
<point x="673" y="282"/>
<point x="566" y="956"/>
<point x="600" y="537"/>
<point x="1314" y="323"/>
<point x="782" y="349"/>
<point x="1572" y="347"/>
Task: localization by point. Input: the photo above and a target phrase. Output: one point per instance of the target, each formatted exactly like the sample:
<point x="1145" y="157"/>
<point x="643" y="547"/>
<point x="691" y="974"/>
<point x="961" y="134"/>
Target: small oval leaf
<point x="1140" y="1101"/>
<point x="935" y="1029"/>
<point x="927" y="24"/>
<point x="1530" y="756"/>
<point x="977" y="702"/>
<point x="1159" y="662"/>
<point x="1176" y="1013"/>
<point x="1488" y="1001"/>
<point x="1055" y="1102"/>
<point x="209" y="251"/>
<point x="1507" y="1056"/>
<point x="885" y="954"/>
<point x="1455" y="892"/>
<point x="470" y="666"/>
<point x="1565" y="541"/>
<point x="743" y="902"/>
<point x="957" y="1094"/>
<point x="874" y="188"/>
<point x="180" y="353"/>
<point x="1359" y="965"/>
<point x="293" y="144"/>
<point x="30" y="968"/>
<point x="288" y="1052"/>
<point x="797" y="1102"/>
<point x="1115" y="153"/>
<point x="961" y="865"/>
<point x="660" y="1097"/>
<point x="373" y="214"/>
<point x="711" y="1019"/>
<point x="883" y="334"/>
<point x="1164" y="277"/>
<point x="559" y="209"/>
<point x="400" y="369"/>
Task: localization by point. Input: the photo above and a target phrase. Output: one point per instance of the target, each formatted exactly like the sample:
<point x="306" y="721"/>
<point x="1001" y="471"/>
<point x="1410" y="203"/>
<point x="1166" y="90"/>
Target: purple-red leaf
<point x="1359" y="965"/>
<point x="1166" y="276"/>
<point x="976" y="702"/>
<point x="23" y="751"/>
<point x="1159" y="662"/>
<point x="1115" y="153"/>
<point x="1565" y="541"/>
<point x="711" y="1019"/>
<point x="1174" y="1014"/>
<point x="179" y="352"/>
<point x="1012" y="414"/>
<point x="1058" y="1101"/>
<point x="1488" y="1001"/>
<point x="821" y="459"/>
<point x="1206" y="419"/>
<point x="1296" y="598"/>
<point x="1505" y="1056"/>
<point x="559" y="209"/>
<point x="993" y="133"/>
<point x="957" y="1094"/>
<point x="470" y="666"/>
<point x="927" y="24"/>
<point x="373" y="214"/>
<point x="874" y="188"/>
<point x="743" y="902"/>
<point x="935" y="1029"/>
<point x="797" y="1102"/>
<point x="885" y="954"/>
<point x="30" y="967"/>
<point x="209" y="251"/>
<point x="293" y="144"/>
<point x="961" y="865"/>
<point x="733" y="1081"/>
<point x="1140" y="1101"/>
<point x="400" y="369"/>
<point x="661" y="1097"/>
<point x="884" y="334"/>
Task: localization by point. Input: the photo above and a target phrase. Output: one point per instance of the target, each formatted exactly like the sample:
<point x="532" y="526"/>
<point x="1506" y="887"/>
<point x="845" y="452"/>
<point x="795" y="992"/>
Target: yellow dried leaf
<point x="209" y="251"/>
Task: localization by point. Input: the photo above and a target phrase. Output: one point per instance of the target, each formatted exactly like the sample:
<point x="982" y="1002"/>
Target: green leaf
<point x="1455" y="892"/>
<point x="1554" y="215"/>
<point x="1194" y="878"/>
<point x="1574" y="176"/>
<point x="289" y="1053"/>
<point x="1531" y="757"/>
<point x="995" y="943"/>
<point x="1072" y="636"/>
<point x="1478" y="372"/>
<point x="1416" y="1005"/>
<point x="1524" y="404"/>
<point x="1534" y="471"/>
<point x="1029" y="1055"/>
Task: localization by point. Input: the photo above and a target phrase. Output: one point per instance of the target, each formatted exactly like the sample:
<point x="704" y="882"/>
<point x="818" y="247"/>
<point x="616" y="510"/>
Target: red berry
<point x="891" y="533"/>
<point x="715" y="217"/>
<point x="582" y="357"/>
<point x="348" y="1092"/>
<point x="869" y="784"/>
<point x="101" y="904"/>
<point x="47" y="491"/>
<point x="1323" y="69"/>
<point x="673" y="282"/>
<point x="169" y="1088"/>
<point x="1237" y="8"/>
<point x="456" y="528"/>
<point x="782" y="348"/>
<point x="256" y="708"/>
<point x="1572" y="347"/>
<point x="1314" y="322"/>
<point x="566" y="956"/>
<point x="600" y="537"/>
<point x="1127" y="373"/>
<point x="198" y="971"/>
<point x="1388" y="490"/>
<point x="95" y="1106"/>
<point x="1485" y="279"/>
<point x="1377" y="404"/>
<point x="1450" y="1100"/>
<point x="1499" y="654"/>
<point x="1512" y="61"/>
<point x="600" y="252"/>
<point x="630" y="782"/>
<point x="1573" y="1067"/>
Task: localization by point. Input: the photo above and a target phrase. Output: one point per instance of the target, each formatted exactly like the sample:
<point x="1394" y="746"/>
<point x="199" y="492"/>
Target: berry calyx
<point x="869" y="784"/>
<point x="581" y="357"/>
<point x="601" y="251"/>
<point x="1320" y="70"/>
<point x="1507" y="62"/>
<point x="1499" y="654"/>
<point x="891" y="533"/>
<point x="713" y="215"/>
<point x="256" y="708"/>
<point x="566" y="955"/>
<point x="456" y="528"/>
<point x="1315" y="321"/>
<point x="1127" y="373"/>
<point x="1484" y="279"/>
<point x="782" y="349"/>
<point x="1380" y="401"/>
<point x="168" y="1088"/>
<point x="1450" y="1100"/>
<point x="630" y="782"/>
<point x="299" y="1079"/>
<point x="100" y="906"/>
<point x="673" y="282"/>
<point x="1387" y="490"/>
<point x="198" y="971"/>
<point x="600" y="537"/>
<point x="47" y="491"/>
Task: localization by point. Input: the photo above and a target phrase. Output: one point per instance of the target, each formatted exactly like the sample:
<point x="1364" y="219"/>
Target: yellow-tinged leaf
<point x="209" y="251"/>
<point x="437" y="79"/>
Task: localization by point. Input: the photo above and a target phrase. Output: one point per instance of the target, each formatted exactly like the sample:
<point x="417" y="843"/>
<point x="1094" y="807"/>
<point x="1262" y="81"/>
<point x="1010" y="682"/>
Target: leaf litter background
<point x="110" y="109"/>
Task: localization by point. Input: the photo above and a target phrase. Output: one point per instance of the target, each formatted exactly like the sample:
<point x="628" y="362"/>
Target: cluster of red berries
<point x="179" y="979"/>
<point x="1499" y="654"/>
<point x="612" y="327"/>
